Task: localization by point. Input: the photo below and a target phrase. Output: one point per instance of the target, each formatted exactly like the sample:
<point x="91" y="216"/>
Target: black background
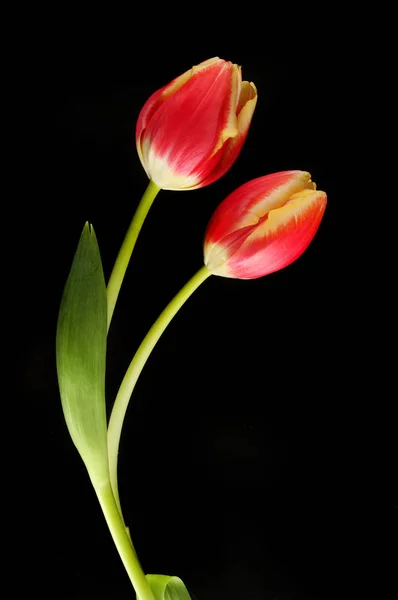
<point x="258" y="457"/>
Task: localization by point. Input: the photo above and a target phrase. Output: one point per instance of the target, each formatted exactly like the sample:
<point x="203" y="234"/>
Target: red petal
<point x="279" y="240"/>
<point x="185" y="129"/>
<point x="231" y="150"/>
<point x="152" y="105"/>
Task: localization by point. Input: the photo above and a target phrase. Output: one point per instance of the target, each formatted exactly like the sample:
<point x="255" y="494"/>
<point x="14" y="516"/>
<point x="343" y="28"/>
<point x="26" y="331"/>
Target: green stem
<point x="122" y="541"/>
<point x="135" y="368"/>
<point x="123" y="258"/>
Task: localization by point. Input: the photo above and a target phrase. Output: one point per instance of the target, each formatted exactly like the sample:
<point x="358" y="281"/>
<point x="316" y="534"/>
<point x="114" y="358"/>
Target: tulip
<point x="190" y="132"/>
<point x="260" y="228"/>
<point x="264" y="225"/>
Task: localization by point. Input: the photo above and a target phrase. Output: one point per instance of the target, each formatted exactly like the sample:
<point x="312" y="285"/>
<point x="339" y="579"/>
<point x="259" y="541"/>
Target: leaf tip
<point x="88" y="228"/>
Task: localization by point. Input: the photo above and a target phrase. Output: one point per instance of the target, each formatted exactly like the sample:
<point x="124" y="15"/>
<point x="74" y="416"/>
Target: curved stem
<point x="122" y="541"/>
<point x="123" y="258"/>
<point x="135" y="368"/>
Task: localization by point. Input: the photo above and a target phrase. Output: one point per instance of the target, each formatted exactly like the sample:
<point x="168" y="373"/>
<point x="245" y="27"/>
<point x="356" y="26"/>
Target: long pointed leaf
<point x="81" y="353"/>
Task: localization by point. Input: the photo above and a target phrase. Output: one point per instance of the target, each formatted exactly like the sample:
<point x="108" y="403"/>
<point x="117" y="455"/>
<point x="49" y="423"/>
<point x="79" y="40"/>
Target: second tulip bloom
<point x="264" y="225"/>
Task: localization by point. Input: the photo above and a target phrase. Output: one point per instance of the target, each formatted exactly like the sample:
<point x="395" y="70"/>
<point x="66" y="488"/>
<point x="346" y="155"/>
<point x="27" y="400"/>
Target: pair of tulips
<point x="189" y="133"/>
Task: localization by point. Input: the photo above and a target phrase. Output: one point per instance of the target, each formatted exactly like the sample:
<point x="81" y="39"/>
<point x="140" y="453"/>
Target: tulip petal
<point x="158" y="97"/>
<point x="247" y="102"/>
<point x="248" y="92"/>
<point x="152" y="105"/>
<point x="279" y="239"/>
<point x="230" y="129"/>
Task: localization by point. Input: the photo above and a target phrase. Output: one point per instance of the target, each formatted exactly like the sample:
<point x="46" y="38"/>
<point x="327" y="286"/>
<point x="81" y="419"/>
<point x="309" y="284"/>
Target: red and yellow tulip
<point x="264" y="225"/>
<point x="190" y="132"/>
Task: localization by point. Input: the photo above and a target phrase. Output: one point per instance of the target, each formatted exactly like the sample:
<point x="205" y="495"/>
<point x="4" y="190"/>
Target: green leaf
<point x="166" y="587"/>
<point x="81" y="354"/>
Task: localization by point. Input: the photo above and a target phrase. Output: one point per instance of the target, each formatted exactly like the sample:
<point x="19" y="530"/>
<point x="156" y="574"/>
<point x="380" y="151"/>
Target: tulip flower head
<point x="190" y="132"/>
<point x="264" y="225"/>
